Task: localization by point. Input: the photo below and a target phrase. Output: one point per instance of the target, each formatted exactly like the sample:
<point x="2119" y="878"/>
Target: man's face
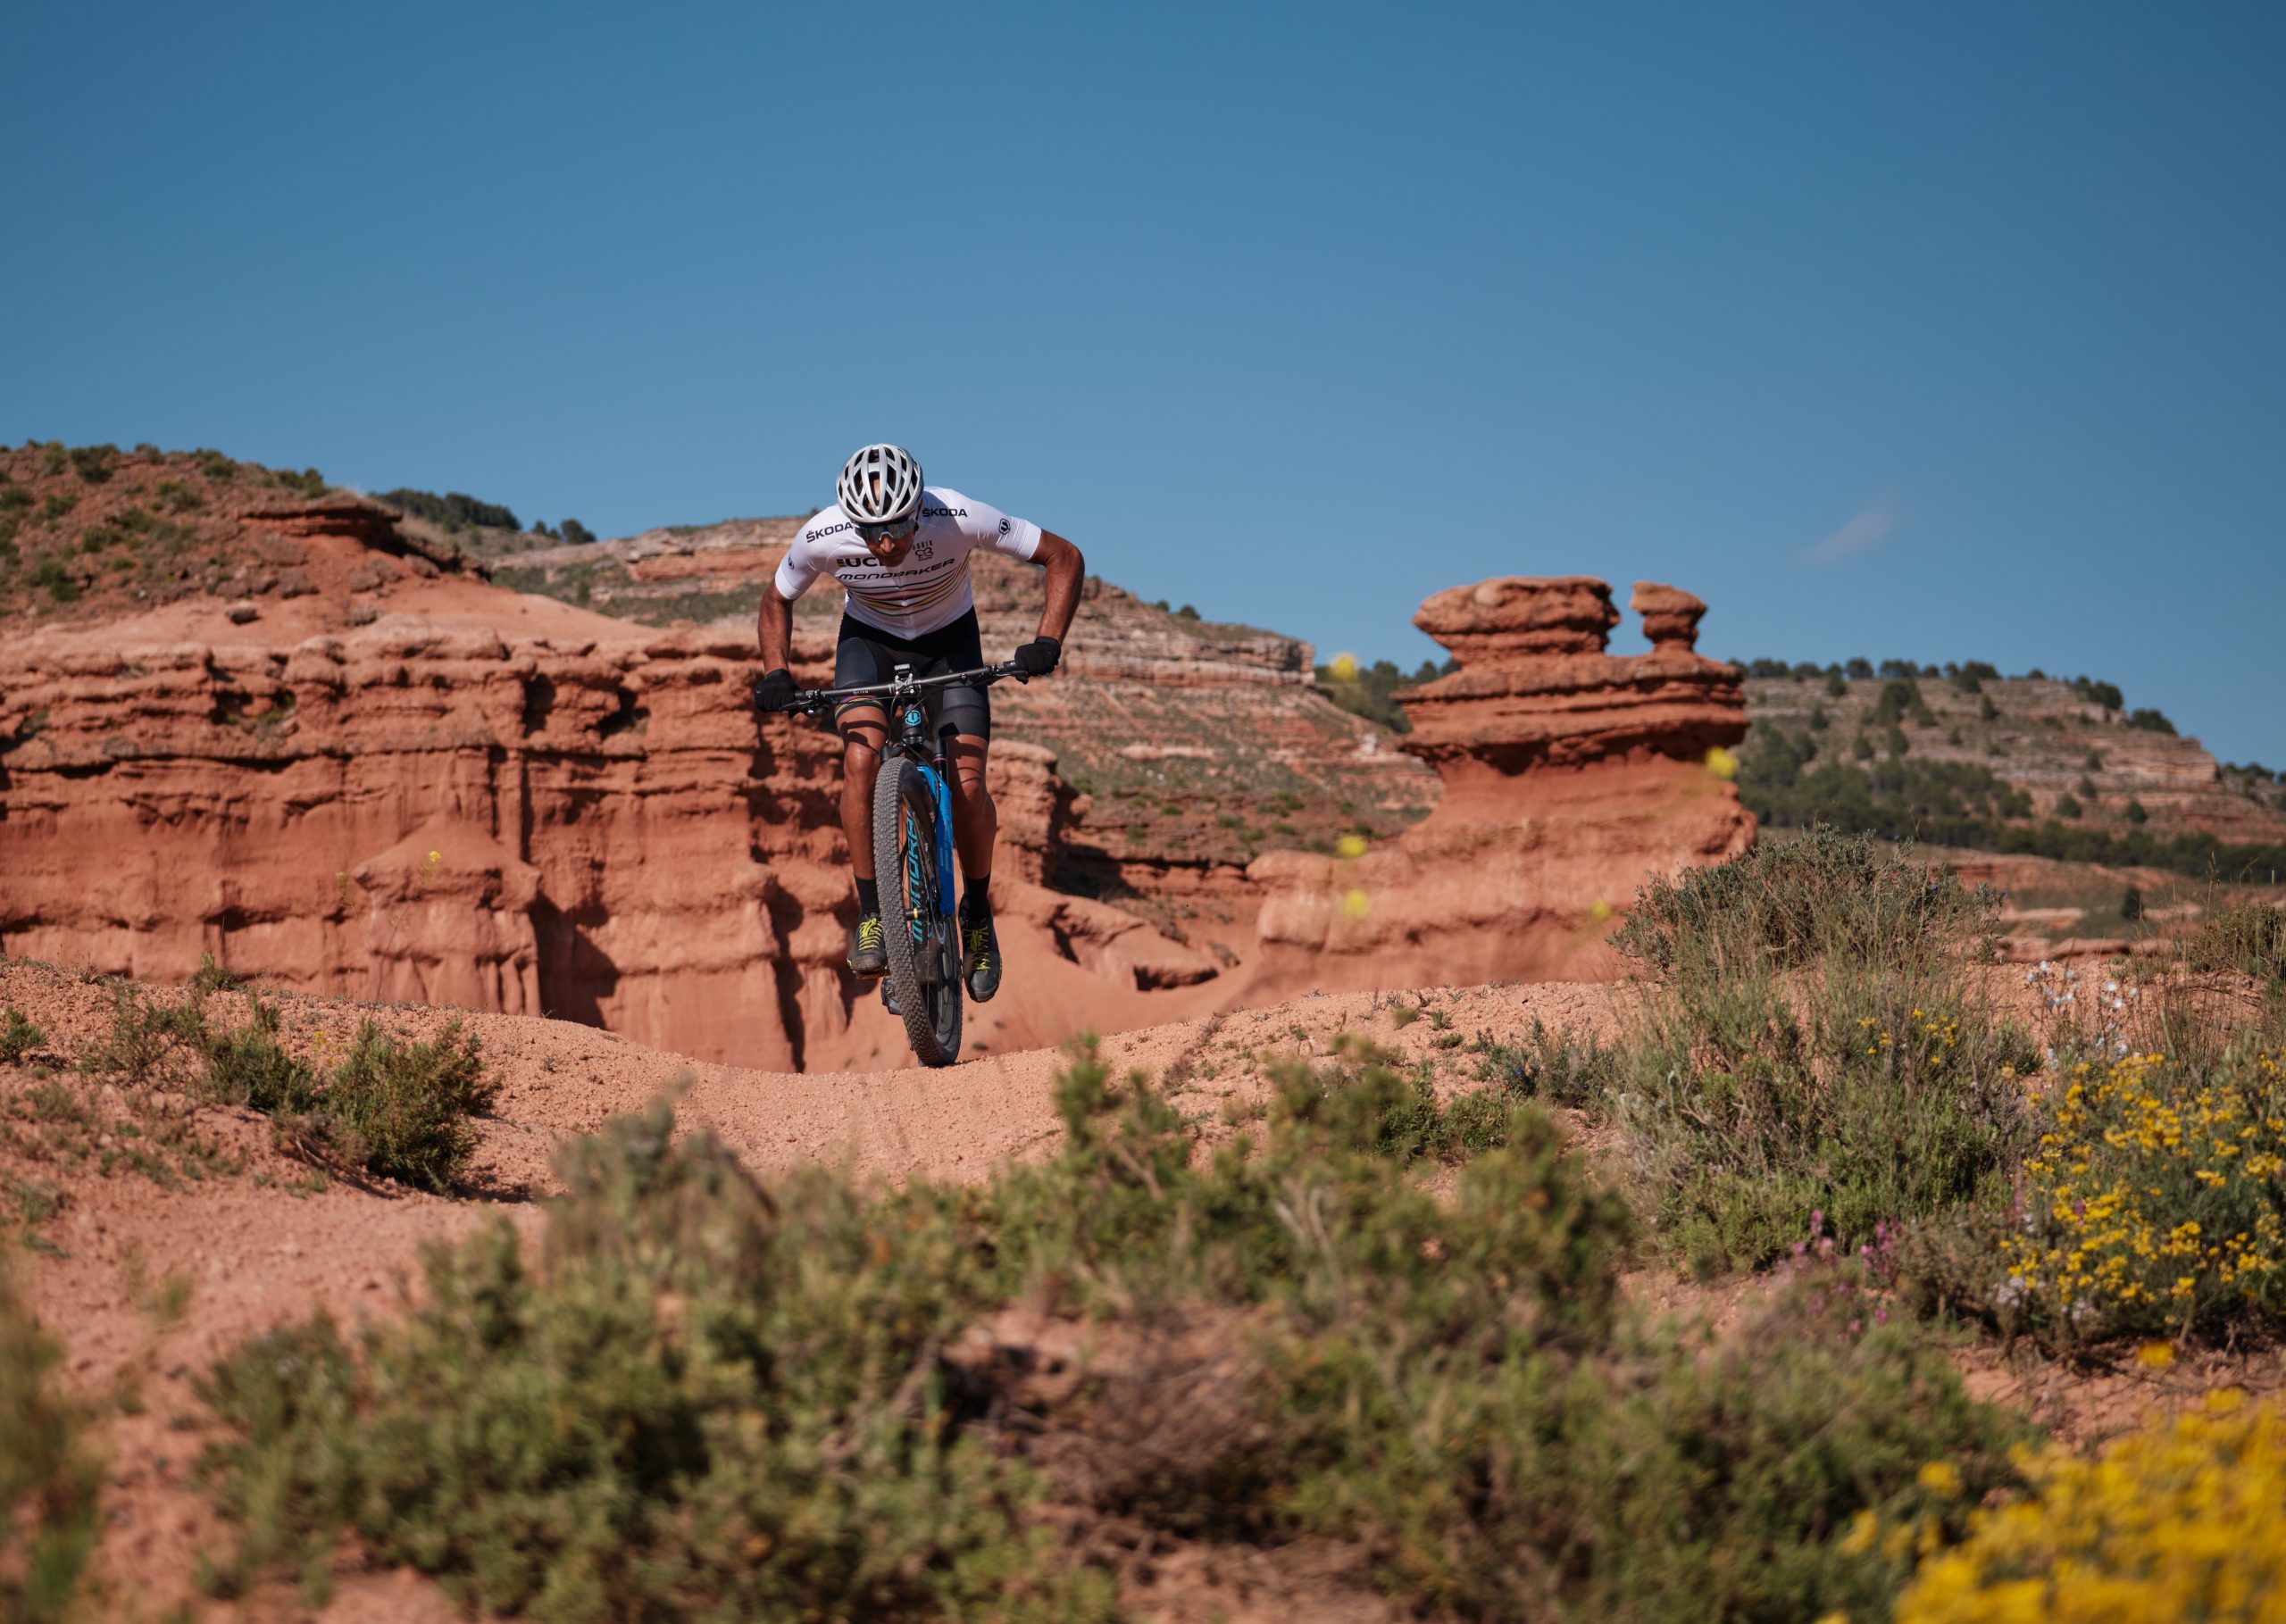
<point x="892" y="547"/>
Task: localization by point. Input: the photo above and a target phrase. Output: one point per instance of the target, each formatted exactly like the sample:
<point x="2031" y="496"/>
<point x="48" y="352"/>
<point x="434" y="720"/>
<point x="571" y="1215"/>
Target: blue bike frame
<point x="943" y="793"/>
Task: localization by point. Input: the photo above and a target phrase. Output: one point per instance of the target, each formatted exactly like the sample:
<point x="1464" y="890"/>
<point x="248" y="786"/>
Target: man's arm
<point x="1066" y="570"/>
<point x="773" y="628"/>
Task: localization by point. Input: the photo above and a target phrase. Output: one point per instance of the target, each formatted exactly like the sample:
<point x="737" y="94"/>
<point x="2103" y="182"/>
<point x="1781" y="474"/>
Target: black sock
<point x="869" y="897"/>
<point x="976" y="900"/>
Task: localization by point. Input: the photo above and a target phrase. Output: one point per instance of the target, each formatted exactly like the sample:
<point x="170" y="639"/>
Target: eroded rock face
<point x="1571" y="776"/>
<point x="416" y="810"/>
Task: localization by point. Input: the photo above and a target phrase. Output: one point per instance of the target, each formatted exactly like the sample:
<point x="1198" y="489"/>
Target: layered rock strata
<point x="1571" y="776"/>
<point x="431" y="811"/>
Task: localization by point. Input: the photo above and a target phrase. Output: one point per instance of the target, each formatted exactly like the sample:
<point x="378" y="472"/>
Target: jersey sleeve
<point x="988" y="527"/>
<point x="798" y="569"/>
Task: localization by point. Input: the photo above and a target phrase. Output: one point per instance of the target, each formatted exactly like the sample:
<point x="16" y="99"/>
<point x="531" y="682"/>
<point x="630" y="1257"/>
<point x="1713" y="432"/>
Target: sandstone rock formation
<point x="583" y="821"/>
<point x="1571" y="776"/>
<point x="1199" y="744"/>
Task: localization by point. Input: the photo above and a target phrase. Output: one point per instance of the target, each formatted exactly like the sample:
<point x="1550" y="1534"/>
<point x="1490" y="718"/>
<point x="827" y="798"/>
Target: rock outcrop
<point x="424" y="809"/>
<point x="1571" y="776"/>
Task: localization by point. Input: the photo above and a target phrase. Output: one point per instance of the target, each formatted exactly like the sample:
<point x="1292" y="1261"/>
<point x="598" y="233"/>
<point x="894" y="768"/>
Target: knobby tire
<point x="931" y="1017"/>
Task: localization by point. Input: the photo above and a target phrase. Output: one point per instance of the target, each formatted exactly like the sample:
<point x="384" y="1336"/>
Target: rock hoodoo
<point x="1571" y="776"/>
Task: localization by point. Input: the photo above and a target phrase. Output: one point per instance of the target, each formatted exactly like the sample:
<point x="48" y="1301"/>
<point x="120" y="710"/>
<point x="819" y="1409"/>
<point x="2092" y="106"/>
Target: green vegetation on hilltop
<point x="95" y="524"/>
<point x="452" y="510"/>
<point x="1961" y="803"/>
<point x="1370" y="691"/>
<point x="1877" y="752"/>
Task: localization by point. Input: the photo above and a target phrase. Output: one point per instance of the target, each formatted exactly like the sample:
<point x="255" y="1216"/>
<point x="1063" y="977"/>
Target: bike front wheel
<point x="920" y="936"/>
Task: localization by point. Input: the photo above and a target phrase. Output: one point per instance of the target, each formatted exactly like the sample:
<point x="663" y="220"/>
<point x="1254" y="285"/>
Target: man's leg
<point x="976" y="823"/>
<point x="864" y="729"/>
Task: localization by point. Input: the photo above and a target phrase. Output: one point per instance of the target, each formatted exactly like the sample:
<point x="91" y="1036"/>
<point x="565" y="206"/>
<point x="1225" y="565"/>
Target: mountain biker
<point x="901" y="550"/>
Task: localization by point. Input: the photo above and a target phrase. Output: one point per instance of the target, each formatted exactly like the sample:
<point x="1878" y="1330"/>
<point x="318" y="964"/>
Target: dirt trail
<point x="260" y="1247"/>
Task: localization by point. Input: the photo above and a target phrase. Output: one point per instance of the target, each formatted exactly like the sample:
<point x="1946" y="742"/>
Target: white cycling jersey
<point x="930" y="588"/>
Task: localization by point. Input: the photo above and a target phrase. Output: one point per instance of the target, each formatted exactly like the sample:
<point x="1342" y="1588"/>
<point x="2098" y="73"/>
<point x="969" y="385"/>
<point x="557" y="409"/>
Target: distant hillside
<point x="2040" y="765"/>
<point x="89" y="532"/>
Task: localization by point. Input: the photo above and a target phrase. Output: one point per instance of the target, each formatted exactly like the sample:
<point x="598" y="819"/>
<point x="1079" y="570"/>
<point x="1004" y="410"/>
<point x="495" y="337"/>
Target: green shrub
<point x="248" y="1066"/>
<point x="1552" y="1067"/>
<point x="18" y="1035"/>
<point x="703" y="1401"/>
<point x="397" y="1109"/>
<point x="1785" y="905"/>
<point x="2248" y="937"/>
<point x="48" y="1480"/>
<point x="58" y="580"/>
<point x="147" y="1043"/>
<point x="209" y="976"/>
<point x="2151" y="1207"/>
<point x="94" y="464"/>
<point x="402" y="1109"/>
<point x="56" y="506"/>
<point x="1819" y="1044"/>
<point x="2068" y="806"/>
<point x="1683" y="1483"/>
<point x="1410" y="1121"/>
<point x="1901" y="697"/>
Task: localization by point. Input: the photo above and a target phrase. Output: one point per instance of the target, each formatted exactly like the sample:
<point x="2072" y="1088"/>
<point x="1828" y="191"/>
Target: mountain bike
<point x="912" y="855"/>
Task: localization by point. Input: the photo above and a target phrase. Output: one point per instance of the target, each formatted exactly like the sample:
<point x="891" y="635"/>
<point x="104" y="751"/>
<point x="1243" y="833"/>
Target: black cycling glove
<point x="775" y="691"/>
<point x="1038" y="657"/>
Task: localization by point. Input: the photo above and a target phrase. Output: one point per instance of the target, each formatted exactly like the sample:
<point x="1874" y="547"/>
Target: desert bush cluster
<point x="391" y="1107"/>
<point x="706" y="1399"/>
<point x="1822" y="1042"/>
<point x="1385" y="1320"/>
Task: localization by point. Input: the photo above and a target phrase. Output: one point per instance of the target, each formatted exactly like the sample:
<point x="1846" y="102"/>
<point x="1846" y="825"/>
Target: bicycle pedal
<point x="888" y="1001"/>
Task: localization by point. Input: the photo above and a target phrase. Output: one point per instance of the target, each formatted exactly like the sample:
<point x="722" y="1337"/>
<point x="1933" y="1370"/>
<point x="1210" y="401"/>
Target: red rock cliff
<point x="1571" y="776"/>
<point x="424" y="809"/>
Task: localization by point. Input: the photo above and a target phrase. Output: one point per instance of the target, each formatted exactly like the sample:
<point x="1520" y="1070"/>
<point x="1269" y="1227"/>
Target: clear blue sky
<point x="1942" y="331"/>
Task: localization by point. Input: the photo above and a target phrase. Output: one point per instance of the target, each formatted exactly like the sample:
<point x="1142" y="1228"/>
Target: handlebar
<point x="816" y="702"/>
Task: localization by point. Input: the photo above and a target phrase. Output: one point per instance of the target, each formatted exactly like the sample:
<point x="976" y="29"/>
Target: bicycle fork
<point x="935" y="774"/>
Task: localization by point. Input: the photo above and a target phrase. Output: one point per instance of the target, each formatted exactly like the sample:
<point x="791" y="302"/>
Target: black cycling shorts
<point x="867" y="655"/>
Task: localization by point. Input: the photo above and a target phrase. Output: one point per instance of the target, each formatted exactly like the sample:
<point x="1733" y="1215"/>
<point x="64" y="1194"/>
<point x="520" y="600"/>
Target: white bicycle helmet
<point x="880" y="485"/>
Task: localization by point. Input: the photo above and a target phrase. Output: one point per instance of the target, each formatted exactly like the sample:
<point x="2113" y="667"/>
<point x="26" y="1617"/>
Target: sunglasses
<point x="895" y="531"/>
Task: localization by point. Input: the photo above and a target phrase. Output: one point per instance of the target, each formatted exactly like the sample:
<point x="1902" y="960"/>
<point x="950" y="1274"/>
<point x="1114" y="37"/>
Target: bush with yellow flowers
<point x="2152" y="1201"/>
<point x="2181" y="1520"/>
